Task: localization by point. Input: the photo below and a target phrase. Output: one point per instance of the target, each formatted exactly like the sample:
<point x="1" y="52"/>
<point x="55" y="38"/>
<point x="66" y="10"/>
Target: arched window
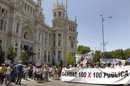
<point x="59" y="36"/>
<point x="59" y="42"/>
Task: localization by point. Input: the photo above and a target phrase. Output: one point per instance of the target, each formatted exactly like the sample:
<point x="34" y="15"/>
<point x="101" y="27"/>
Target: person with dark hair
<point x="31" y="72"/>
<point x="20" y="71"/>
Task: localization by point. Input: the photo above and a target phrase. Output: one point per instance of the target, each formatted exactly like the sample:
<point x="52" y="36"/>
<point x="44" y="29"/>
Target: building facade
<point x="22" y="25"/>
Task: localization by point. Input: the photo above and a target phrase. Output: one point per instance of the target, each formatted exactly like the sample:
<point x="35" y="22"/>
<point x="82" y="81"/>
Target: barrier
<point x="97" y="75"/>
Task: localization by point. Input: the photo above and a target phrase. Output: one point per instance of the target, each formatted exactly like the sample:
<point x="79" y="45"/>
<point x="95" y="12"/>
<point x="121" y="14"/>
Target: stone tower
<point x="39" y="2"/>
<point x="65" y="33"/>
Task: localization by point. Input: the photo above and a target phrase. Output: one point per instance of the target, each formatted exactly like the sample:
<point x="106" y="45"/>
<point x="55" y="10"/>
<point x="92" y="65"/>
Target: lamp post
<point x="103" y="40"/>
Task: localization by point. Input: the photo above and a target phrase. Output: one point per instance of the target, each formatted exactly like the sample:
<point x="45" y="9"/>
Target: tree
<point x="127" y="53"/>
<point x="11" y="54"/>
<point x="119" y="54"/>
<point x="70" y="59"/>
<point x="24" y="57"/>
<point x="97" y="56"/>
<point x="108" y="54"/>
<point x="2" y="54"/>
<point x="83" y="49"/>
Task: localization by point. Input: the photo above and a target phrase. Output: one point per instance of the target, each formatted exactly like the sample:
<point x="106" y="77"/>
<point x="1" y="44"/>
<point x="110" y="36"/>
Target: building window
<point x="1" y="24"/>
<point x="59" y="14"/>
<point x="0" y="46"/>
<point x="31" y="10"/>
<point x="54" y="14"/>
<point x="0" y="43"/>
<point x="54" y="40"/>
<point x="49" y="42"/>
<point x="16" y="44"/>
<point x="59" y="55"/>
<point x="54" y="43"/>
<point x="0" y="9"/>
<point x="63" y="14"/>
<point x="28" y="8"/>
<point x="17" y="28"/>
<point x="3" y="10"/>
<point x="5" y="25"/>
<point x="59" y="42"/>
<point x="54" y="24"/>
<point x="72" y="45"/>
<point x="25" y="6"/>
<point x="25" y="35"/>
<point x="21" y="46"/>
<point x="48" y="56"/>
<point x="69" y="37"/>
<point x="45" y="41"/>
<point x="59" y="36"/>
<point x="44" y="56"/>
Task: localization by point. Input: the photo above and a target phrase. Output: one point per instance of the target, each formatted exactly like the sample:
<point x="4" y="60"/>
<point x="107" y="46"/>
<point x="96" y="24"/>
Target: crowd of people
<point x="14" y="73"/>
<point x="99" y="65"/>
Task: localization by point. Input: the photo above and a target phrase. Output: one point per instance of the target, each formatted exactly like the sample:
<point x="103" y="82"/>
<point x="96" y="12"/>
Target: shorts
<point x="8" y="77"/>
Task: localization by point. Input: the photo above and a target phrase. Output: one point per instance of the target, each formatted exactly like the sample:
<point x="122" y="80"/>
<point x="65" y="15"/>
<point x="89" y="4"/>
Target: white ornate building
<point x="22" y="26"/>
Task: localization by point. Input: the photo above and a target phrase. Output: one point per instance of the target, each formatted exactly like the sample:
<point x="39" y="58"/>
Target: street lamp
<point x="103" y="40"/>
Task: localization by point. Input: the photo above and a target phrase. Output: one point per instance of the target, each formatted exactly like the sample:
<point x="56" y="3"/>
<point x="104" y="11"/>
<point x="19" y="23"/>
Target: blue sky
<point x="117" y="29"/>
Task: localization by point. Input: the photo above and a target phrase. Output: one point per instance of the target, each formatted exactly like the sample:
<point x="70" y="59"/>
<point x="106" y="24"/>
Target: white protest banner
<point x="97" y="75"/>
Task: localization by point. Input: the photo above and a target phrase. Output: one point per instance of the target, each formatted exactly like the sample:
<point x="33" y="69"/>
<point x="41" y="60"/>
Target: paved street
<point x="51" y="83"/>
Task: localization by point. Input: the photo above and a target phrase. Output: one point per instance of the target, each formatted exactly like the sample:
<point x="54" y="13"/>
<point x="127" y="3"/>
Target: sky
<point x="116" y="29"/>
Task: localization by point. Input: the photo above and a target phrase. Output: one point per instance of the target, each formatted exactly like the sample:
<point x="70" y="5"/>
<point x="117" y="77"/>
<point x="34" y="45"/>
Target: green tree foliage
<point x="119" y="54"/>
<point x="127" y="53"/>
<point x="11" y="54"/>
<point x="83" y="49"/>
<point x="108" y="54"/>
<point x="70" y="59"/>
<point x="2" y="54"/>
<point x="24" y="57"/>
<point x="97" y="56"/>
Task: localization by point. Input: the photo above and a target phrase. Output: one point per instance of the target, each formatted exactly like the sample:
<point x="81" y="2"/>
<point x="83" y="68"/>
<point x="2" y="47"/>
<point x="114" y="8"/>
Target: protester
<point x="38" y="73"/>
<point x="20" y="71"/>
<point x="26" y="71"/>
<point x="3" y="71"/>
<point x="8" y="75"/>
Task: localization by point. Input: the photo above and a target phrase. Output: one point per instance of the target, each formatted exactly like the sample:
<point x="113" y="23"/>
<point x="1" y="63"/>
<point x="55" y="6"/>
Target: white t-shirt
<point x="8" y="71"/>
